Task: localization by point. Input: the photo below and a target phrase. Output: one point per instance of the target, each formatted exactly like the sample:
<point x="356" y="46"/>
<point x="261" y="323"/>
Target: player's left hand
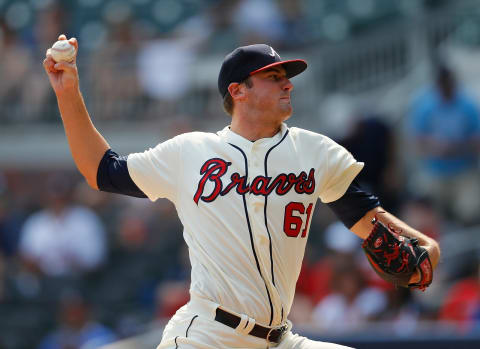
<point x="398" y="259"/>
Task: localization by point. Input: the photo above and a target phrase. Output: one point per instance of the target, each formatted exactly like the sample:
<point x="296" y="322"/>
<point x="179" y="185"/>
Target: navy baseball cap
<point x="248" y="60"/>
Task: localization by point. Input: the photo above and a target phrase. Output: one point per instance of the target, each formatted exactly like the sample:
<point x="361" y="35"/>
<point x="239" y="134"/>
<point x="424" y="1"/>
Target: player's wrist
<point x="68" y="92"/>
<point x="433" y="250"/>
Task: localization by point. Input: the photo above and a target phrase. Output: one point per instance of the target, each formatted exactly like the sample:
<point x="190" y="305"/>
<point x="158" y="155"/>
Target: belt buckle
<point x="282" y="329"/>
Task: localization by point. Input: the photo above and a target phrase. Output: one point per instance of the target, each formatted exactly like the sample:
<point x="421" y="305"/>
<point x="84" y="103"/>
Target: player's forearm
<point x="363" y="228"/>
<point x="86" y="143"/>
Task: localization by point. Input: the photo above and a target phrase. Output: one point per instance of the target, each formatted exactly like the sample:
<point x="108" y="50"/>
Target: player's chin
<point x="286" y="111"/>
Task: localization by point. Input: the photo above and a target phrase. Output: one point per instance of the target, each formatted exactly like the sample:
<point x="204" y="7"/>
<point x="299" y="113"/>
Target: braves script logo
<point x="214" y="169"/>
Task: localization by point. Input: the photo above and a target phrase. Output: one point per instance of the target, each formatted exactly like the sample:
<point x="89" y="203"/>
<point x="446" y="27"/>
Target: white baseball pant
<point x="194" y="327"/>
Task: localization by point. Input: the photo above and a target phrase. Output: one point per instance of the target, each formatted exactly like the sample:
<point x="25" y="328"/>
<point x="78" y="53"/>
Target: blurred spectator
<point x="77" y="329"/>
<point x="462" y="303"/>
<point x="402" y="313"/>
<point x="446" y="127"/>
<point x="146" y="228"/>
<point x="133" y="234"/>
<point x="324" y="284"/>
<point x="420" y="213"/>
<point x="105" y="205"/>
<point x="15" y="63"/>
<point x="171" y="296"/>
<point x="179" y="267"/>
<point x="24" y="95"/>
<point x="114" y="85"/>
<point x="352" y="303"/>
<point x="166" y="73"/>
<point x="223" y="36"/>
<point x="173" y="290"/>
<point x="10" y="225"/>
<point x="294" y="22"/>
<point x="371" y="140"/>
<point x="164" y="67"/>
<point x="63" y="238"/>
<point x="259" y="21"/>
<point x="145" y="252"/>
<point x="315" y="275"/>
<point x="50" y="21"/>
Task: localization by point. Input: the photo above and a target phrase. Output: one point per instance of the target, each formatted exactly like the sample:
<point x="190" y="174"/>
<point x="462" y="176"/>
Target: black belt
<point x="273" y="335"/>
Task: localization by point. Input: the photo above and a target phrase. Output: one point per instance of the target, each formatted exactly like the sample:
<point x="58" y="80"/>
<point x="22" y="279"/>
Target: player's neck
<point x="254" y="130"/>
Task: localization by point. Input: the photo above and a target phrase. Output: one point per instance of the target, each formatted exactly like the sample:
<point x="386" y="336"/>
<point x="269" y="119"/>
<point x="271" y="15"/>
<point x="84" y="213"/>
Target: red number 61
<point x="292" y="224"/>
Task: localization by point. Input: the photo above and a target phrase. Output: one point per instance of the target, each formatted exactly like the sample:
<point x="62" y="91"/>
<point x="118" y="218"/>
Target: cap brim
<point x="292" y="67"/>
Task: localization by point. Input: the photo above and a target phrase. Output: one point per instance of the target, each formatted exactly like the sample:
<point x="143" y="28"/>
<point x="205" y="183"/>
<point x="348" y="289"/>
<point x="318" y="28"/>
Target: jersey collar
<point x="231" y="137"/>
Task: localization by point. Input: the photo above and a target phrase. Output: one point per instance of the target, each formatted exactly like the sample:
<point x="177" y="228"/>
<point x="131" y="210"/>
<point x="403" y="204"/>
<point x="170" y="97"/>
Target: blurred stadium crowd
<point x="80" y="268"/>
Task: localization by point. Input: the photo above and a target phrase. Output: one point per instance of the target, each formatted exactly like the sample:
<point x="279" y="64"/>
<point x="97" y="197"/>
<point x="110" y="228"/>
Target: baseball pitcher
<point x="245" y="196"/>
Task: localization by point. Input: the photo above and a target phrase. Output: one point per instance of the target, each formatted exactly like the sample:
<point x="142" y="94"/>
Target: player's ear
<point x="237" y="91"/>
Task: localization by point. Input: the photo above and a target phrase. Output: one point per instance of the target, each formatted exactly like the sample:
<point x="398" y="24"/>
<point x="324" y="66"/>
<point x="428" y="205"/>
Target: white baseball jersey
<point x="246" y="209"/>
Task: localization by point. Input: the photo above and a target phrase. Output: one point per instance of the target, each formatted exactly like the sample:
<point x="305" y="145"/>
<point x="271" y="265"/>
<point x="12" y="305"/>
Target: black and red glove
<point x="396" y="258"/>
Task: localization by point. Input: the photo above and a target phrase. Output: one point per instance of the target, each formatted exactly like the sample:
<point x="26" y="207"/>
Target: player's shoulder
<point x="196" y="138"/>
<point x="300" y="135"/>
<point x="184" y="141"/>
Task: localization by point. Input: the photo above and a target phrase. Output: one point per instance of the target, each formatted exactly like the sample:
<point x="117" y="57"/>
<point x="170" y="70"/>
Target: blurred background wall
<point x="396" y="82"/>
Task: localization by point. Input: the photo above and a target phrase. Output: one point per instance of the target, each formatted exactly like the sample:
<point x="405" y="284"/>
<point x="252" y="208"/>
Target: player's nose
<point x="288" y="86"/>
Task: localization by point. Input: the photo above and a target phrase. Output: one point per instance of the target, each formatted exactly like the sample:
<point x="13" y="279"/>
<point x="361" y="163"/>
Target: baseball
<point x="63" y="51"/>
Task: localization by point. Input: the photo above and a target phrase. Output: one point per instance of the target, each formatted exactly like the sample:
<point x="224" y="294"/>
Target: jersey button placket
<point x="257" y="156"/>
<point x="252" y="171"/>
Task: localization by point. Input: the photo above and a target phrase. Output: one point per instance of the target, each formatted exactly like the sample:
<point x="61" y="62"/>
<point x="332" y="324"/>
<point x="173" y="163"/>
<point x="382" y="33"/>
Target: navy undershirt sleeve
<point x="353" y="205"/>
<point x="113" y="176"/>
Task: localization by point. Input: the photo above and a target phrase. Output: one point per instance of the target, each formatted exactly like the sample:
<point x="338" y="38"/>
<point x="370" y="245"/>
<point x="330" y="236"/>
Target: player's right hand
<point x="63" y="76"/>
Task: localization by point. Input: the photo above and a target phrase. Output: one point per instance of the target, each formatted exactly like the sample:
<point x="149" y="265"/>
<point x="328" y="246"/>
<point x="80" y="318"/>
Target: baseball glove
<point x="396" y="258"/>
